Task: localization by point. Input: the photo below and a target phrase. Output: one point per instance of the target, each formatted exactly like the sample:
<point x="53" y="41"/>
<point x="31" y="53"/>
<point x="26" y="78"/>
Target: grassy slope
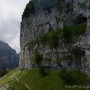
<point x="9" y="77"/>
<point x="34" y="80"/>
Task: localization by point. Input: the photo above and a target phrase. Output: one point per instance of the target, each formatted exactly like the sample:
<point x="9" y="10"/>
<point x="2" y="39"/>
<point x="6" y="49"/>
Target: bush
<point x="38" y="58"/>
<point x="3" y="72"/>
<point x="29" y="9"/>
<point x="51" y="38"/>
<point x="44" y="38"/>
<point x="71" y="33"/>
<point x="82" y="5"/>
<point x="73" y="77"/>
<point x="43" y="71"/>
<point x="68" y="35"/>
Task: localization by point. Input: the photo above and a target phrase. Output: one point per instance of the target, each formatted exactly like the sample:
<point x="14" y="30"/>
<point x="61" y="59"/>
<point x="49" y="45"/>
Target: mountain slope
<point x="8" y="57"/>
<point x="32" y="80"/>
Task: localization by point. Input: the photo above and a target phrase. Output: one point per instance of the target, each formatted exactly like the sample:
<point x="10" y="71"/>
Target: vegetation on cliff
<point x="37" y="5"/>
<point x="46" y="78"/>
<point x="66" y="38"/>
<point x="68" y="35"/>
<point x="30" y="8"/>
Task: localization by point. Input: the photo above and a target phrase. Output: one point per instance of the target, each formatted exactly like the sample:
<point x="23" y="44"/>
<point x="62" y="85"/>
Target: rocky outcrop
<point x="8" y="57"/>
<point x="48" y="19"/>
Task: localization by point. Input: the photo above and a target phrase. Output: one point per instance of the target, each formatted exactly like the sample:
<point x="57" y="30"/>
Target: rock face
<point x="48" y="19"/>
<point x="8" y="57"/>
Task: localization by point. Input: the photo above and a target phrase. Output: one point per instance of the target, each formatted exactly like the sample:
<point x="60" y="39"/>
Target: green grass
<point x="33" y="79"/>
<point x="9" y="77"/>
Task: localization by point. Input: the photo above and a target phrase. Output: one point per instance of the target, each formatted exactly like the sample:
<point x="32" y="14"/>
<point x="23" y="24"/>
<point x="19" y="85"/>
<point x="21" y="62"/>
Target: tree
<point x="38" y="58"/>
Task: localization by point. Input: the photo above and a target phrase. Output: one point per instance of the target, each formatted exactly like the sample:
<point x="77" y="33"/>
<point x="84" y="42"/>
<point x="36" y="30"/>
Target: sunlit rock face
<point x="46" y="16"/>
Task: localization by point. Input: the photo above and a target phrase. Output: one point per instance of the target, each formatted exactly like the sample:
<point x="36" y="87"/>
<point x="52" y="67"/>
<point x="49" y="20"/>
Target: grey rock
<point x="43" y="22"/>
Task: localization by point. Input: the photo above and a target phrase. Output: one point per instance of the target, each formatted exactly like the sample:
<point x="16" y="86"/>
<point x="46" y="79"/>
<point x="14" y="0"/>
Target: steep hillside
<point x="55" y="46"/>
<point x="8" y="57"/>
<point x="58" y="33"/>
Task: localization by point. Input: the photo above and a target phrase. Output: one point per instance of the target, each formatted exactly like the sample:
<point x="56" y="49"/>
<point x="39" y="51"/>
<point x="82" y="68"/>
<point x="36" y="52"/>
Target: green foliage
<point x="69" y="7"/>
<point x="3" y="72"/>
<point x="50" y="38"/>
<point x="9" y="76"/>
<point x="68" y="35"/>
<point x="78" y="52"/>
<point x="89" y="17"/>
<point x="44" y="38"/>
<point x="38" y="58"/>
<point x="35" y="81"/>
<point x="65" y="37"/>
<point x="83" y="5"/>
<point x="29" y="9"/>
<point x="79" y="29"/>
<point x="71" y="33"/>
<point x="89" y="7"/>
<point x="61" y="8"/>
<point x="73" y="77"/>
<point x="65" y="7"/>
<point x="67" y="57"/>
<point x="43" y="71"/>
<point x="53" y="39"/>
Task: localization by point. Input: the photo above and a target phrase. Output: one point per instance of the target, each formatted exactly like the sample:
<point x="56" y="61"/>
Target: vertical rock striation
<point x="47" y="19"/>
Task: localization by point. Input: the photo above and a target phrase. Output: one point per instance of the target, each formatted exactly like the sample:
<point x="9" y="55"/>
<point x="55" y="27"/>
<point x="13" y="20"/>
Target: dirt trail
<point x="23" y="84"/>
<point x="5" y="87"/>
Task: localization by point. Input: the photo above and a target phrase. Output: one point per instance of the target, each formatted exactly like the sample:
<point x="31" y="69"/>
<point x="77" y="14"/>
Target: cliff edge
<point x="43" y="34"/>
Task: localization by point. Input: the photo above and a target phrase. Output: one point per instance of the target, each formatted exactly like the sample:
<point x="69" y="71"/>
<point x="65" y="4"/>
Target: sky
<point x="10" y="18"/>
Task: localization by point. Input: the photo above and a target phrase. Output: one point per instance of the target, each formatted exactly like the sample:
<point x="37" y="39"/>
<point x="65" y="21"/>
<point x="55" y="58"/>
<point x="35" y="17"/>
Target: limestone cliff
<point x="47" y="16"/>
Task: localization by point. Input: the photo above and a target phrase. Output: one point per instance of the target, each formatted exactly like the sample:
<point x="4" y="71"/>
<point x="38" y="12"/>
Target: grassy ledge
<point x="35" y="81"/>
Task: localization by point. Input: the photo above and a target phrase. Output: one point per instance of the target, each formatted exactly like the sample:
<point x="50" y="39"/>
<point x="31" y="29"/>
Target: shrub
<point x="82" y="5"/>
<point x="68" y="35"/>
<point x="73" y="77"/>
<point x="3" y="72"/>
<point x="71" y="33"/>
<point x="89" y="7"/>
<point x="38" y="58"/>
<point x="69" y="7"/>
<point x="78" y="52"/>
<point x="43" y="38"/>
<point x="53" y="39"/>
<point x="29" y="9"/>
<point x="43" y="71"/>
